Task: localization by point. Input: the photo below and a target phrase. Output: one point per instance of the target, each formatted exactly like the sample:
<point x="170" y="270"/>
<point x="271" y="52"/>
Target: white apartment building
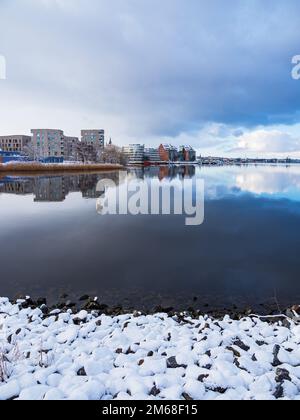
<point x="152" y="155"/>
<point x="135" y="154"/>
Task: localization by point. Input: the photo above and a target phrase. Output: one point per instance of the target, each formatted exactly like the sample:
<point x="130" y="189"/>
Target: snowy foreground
<point x="84" y="356"/>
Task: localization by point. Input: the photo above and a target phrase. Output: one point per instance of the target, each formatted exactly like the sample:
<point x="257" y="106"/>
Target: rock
<point x="9" y="391"/>
<point x="70" y="304"/>
<point x="172" y="364"/>
<point x="161" y="310"/>
<point x="44" y="309"/>
<point x="279" y="392"/>
<point x="41" y="301"/>
<point x="34" y="393"/>
<point x="219" y="390"/>
<point x="282" y="375"/>
<point x="81" y="372"/>
<point x="202" y="377"/>
<point x="154" y="391"/>
<point x="150" y="354"/>
<point x="276" y="361"/>
<point x="83" y="298"/>
<point x="187" y="397"/>
<point x="241" y="345"/>
<point x="261" y="343"/>
<point x="207" y="367"/>
<point x="235" y="352"/>
<point x="91" y="305"/>
<point x="141" y="362"/>
<point x="296" y="308"/>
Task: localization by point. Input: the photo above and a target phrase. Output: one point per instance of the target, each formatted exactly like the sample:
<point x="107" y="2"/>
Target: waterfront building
<point x="53" y="145"/>
<point x="168" y="153"/>
<point x="48" y="143"/>
<point x="72" y="145"/>
<point x="152" y="155"/>
<point x="134" y="154"/>
<point x="186" y="154"/>
<point x="94" y="138"/>
<point x="15" y="143"/>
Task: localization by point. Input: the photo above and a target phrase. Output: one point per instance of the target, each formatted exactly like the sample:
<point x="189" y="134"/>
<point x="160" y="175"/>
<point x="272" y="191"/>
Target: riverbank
<point x="65" y="354"/>
<point x="57" y="167"/>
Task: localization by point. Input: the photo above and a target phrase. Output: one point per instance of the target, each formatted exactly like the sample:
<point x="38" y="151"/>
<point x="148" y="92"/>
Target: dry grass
<point x="7" y="360"/>
<point x="35" y="167"/>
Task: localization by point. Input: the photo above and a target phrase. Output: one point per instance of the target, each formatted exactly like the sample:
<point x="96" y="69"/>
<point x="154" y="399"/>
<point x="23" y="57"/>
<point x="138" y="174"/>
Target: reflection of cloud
<point x="275" y="181"/>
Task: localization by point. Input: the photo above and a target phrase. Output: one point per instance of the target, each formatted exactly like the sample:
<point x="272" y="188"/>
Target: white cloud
<point x="269" y="141"/>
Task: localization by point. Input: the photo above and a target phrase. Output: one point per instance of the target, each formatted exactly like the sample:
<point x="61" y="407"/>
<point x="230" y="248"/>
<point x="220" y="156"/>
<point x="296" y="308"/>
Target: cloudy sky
<point x="214" y="74"/>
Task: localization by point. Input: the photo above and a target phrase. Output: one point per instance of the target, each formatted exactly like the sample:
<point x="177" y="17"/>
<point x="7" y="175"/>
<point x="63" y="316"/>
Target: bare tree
<point x="112" y="154"/>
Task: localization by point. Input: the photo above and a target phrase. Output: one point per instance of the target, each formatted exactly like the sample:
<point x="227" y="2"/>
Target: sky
<point x="213" y="74"/>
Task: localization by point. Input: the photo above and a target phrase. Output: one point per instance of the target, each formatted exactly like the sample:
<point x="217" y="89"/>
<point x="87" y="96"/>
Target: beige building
<point x="14" y="143"/>
<point x="48" y="143"/>
<point x="53" y="143"/>
<point x="94" y="138"/>
<point x="72" y="145"/>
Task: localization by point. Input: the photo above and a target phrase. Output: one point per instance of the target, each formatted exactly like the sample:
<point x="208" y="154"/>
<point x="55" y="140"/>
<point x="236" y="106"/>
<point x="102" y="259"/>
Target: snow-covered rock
<point x="66" y="356"/>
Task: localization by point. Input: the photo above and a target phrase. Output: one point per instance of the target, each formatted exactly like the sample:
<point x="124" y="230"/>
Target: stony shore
<point x="48" y="354"/>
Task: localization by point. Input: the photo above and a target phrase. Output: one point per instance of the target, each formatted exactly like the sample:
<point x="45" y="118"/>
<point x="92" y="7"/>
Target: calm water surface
<point x="52" y="241"/>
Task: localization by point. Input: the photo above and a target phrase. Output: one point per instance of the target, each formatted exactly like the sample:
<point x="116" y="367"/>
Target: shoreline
<point x="56" y="167"/>
<point x="87" y="355"/>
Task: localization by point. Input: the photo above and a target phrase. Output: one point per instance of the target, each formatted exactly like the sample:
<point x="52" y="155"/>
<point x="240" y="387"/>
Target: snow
<point x="155" y="357"/>
<point x="9" y="390"/>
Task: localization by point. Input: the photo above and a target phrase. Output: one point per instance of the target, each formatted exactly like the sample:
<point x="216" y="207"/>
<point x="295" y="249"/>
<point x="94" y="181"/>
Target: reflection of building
<point x="50" y="189"/>
<point x="134" y="154"/>
<point x="14" y="143"/>
<point x="17" y="186"/>
<point x="56" y="188"/>
<point x="172" y="172"/>
<point x="94" y="138"/>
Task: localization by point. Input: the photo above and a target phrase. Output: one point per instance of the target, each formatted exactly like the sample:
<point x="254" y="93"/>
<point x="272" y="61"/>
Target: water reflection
<point x="57" y="188"/>
<point x="54" y="188"/>
<point x="272" y="181"/>
<point x="247" y="250"/>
